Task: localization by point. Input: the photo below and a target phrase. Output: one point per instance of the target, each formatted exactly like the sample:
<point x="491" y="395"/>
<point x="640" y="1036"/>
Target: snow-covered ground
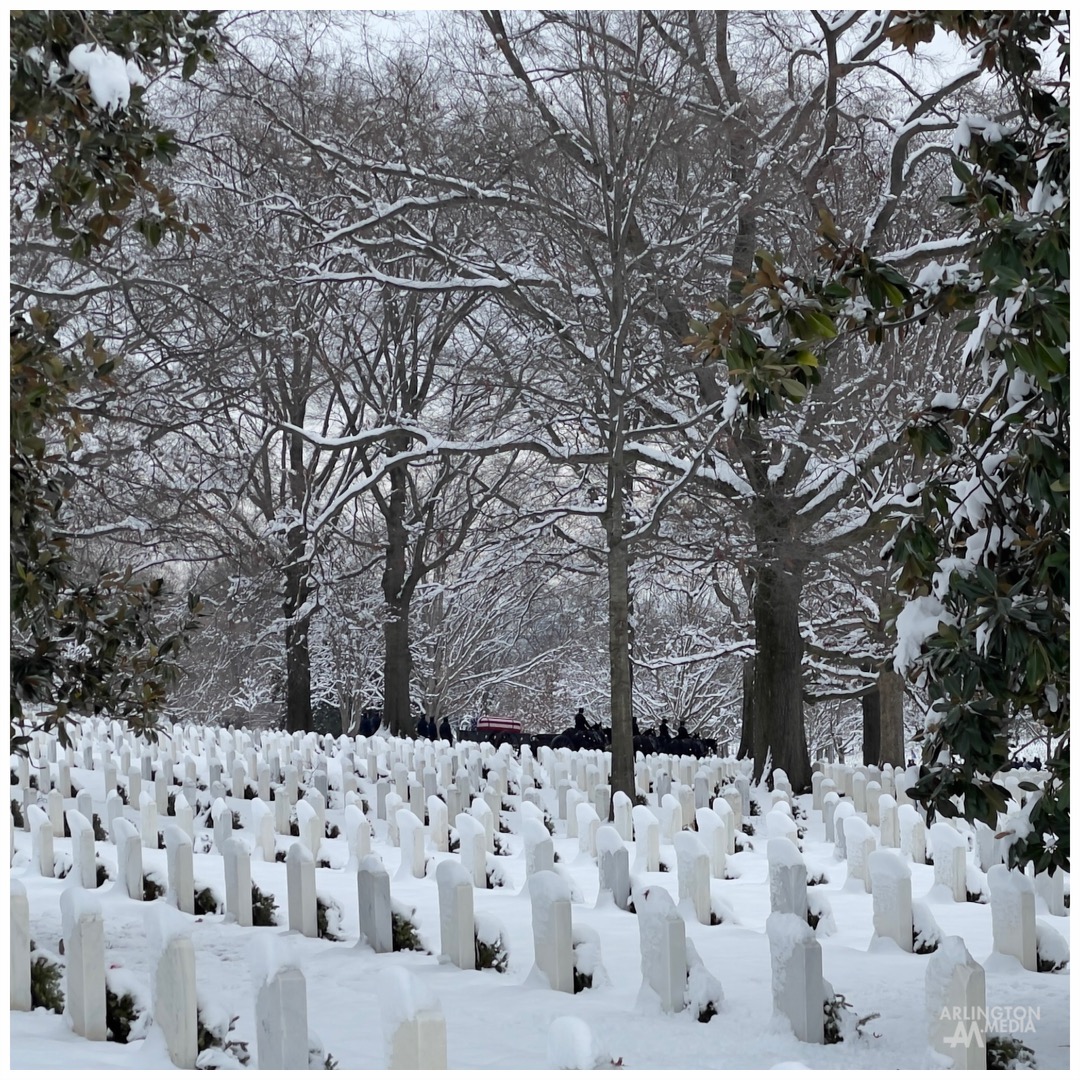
<point x="508" y="1021"/>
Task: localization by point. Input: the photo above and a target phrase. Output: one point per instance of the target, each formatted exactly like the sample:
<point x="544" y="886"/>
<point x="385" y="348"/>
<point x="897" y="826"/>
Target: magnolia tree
<point x="84" y="638"/>
<point x="983" y="542"/>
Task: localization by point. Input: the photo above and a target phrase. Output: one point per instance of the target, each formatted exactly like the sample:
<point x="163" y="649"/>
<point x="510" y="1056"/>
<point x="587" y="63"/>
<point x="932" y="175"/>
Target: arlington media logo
<point x="974" y="1025"/>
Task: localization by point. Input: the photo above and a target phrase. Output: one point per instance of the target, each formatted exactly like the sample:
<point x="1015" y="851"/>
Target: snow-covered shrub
<point x="721" y="912"/>
<point x="328" y="919"/>
<point x="99" y="831"/>
<point x="1004" y="1052"/>
<point x="588" y="970"/>
<point x="1051" y="948"/>
<point x="318" y="1058"/>
<point x="102" y="873"/>
<point x="925" y="932"/>
<point x="817" y="877"/>
<point x="152" y="887"/>
<point x="206" y="901"/>
<point x="46" y="978"/>
<point x="819" y="914"/>
<point x="217" y="1049"/>
<point x="495" y="878"/>
<point x="121" y="1015"/>
<point x="405" y="935"/>
<point x="16" y="814"/>
<point x="332" y="831"/>
<point x="263" y="906"/>
<point x="210" y="818"/>
<point x="491" y="951"/>
<point x="127" y="1006"/>
<point x="841" y="1022"/>
<point x="704" y="995"/>
<point x="977" y="892"/>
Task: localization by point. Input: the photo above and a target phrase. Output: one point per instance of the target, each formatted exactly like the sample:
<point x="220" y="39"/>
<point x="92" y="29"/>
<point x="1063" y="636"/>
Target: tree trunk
<point x="891" y="695"/>
<point x="397" y="673"/>
<point x="434" y="685"/>
<point x="778" y="684"/>
<point x="397" y="660"/>
<point x="746" y="740"/>
<point x="871" y="725"/>
<point x="297" y="676"/>
<point x="297" y="636"/>
<point x="622" y="734"/>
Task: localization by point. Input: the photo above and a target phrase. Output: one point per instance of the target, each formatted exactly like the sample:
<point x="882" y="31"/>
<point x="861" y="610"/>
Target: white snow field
<point x="362" y="1006"/>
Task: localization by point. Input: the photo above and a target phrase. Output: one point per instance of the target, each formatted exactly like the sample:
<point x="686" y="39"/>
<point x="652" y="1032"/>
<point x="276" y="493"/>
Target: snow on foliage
<point x="919" y="619"/>
<point x="110" y="76"/>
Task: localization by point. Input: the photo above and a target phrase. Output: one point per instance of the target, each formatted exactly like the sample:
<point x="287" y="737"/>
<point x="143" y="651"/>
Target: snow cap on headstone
<point x="401" y="997"/>
<point x="270" y="954"/>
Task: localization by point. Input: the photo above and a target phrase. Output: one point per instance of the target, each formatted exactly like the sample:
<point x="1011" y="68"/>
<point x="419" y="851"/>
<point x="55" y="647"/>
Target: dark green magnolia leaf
<point x="794" y="389"/>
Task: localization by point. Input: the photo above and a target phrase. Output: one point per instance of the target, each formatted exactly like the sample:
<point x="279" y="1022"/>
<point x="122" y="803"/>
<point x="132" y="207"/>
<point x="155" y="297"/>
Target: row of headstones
<point x="552" y="929"/>
<point x="903" y="828"/>
<point x="312" y="822"/>
<point x="877" y="793"/>
<point x="276" y="748"/>
<point x="700" y="855"/>
<point x="258" y="754"/>
<point x="162" y="772"/>
<point x="950" y="865"/>
<point x="373" y="886"/>
<point x="886" y="914"/>
<point x="467" y="779"/>
<point x="954" y="985"/>
<point x="417" y="1038"/>
<point x="853" y="779"/>
<point x="307" y="810"/>
<point x="418" y="1033"/>
<point x="954" y="982"/>
<point x="568" y="799"/>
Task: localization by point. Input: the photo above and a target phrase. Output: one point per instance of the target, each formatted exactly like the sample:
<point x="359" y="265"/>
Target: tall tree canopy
<point x="981" y="541"/>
